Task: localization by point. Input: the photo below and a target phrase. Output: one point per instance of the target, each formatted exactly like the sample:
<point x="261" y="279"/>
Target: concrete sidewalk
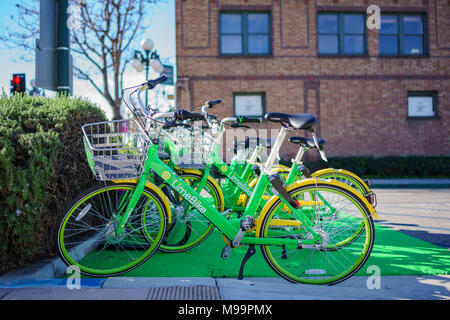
<point x="125" y="288"/>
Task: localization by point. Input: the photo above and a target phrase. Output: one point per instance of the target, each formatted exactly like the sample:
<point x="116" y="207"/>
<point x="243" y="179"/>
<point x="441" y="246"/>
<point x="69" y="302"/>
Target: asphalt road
<point x="421" y="213"/>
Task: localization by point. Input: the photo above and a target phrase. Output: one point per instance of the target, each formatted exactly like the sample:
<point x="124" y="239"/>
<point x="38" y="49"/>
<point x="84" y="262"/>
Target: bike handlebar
<point x="244" y="119"/>
<point x="149" y="85"/>
<point x="210" y="104"/>
<point x="186" y="115"/>
<point x="241" y="119"/>
<point x="153" y="83"/>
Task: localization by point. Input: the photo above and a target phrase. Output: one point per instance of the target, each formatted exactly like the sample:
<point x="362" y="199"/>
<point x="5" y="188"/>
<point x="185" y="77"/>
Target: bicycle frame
<point x="230" y="230"/>
<point x="238" y="174"/>
<point x="211" y="213"/>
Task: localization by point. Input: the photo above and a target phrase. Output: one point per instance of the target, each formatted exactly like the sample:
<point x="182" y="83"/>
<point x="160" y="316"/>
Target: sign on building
<point x="168" y="71"/>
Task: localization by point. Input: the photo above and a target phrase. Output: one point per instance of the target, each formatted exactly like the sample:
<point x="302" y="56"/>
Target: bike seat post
<point x="301" y="152"/>
<point x="275" y="150"/>
<point x="313" y="134"/>
<point x="252" y="159"/>
<point x="319" y="148"/>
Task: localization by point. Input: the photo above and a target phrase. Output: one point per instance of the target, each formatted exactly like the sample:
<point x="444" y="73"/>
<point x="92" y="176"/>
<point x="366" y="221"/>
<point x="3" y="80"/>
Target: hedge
<point x="396" y="167"/>
<point x="389" y="167"/>
<point x="42" y="165"/>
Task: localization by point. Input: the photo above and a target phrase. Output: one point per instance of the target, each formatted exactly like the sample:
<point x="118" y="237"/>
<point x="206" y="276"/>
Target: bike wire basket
<point x="190" y="147"/>
<point x="116" y="149"/>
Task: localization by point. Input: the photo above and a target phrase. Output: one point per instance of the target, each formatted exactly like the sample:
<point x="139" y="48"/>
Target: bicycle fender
<point x="360" y="196"/>
<point x="343" y="171"/>
<point x="152" y="187"/>
<point x="210" y="179"/>
<point x="311" y="181"/>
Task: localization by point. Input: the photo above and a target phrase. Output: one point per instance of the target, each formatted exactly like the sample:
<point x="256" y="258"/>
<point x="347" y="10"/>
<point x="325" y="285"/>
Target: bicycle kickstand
<point x="250" y="252"/>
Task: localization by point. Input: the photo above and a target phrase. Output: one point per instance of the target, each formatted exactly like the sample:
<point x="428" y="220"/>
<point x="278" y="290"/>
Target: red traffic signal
<point x="18" y="83"/>
<point x="16" y="80"/>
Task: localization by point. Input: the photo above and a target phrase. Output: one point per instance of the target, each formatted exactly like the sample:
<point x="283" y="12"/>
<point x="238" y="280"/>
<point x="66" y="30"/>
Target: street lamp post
<point x="150" y="59"/>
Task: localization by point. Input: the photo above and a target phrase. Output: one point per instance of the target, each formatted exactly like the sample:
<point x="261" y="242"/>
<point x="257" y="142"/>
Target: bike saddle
<point x="306" y="142"/>
<point x="295" y="121"/>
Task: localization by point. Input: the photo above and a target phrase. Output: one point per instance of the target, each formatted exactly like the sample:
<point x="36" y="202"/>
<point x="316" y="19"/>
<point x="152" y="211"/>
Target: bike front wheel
<point x="336" y="214"/>
<point x="87" y="236"/>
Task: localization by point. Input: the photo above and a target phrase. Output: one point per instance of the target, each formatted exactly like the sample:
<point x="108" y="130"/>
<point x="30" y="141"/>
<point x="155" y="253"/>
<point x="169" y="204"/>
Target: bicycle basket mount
<point x="116" y="149"/>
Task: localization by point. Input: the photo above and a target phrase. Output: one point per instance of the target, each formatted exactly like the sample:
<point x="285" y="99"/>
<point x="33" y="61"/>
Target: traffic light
<point x="18" y="83"/>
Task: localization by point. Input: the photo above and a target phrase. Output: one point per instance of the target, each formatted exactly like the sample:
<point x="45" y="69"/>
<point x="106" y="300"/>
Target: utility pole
<point x="62" y="50"/>
<point x="53" y="59"/>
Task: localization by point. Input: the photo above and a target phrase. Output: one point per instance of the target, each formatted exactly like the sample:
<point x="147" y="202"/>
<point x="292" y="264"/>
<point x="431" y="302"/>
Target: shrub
<point x="388" y="167"/>
<point x="42" y="165"/>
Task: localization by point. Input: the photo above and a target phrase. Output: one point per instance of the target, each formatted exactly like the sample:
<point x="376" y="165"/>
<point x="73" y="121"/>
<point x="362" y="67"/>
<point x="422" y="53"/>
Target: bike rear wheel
<point x="86" y="236"/>
<point x="346" y="245"/>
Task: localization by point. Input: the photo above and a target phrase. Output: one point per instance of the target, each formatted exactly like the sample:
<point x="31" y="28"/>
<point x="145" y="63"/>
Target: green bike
<point x="300" y="239"/>
<point x="234" y="191"/>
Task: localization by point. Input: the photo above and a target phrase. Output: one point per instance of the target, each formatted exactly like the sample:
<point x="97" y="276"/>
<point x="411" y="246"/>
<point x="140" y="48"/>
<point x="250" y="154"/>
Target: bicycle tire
<point x="112" y="258"/>
<point x="305" y="267"/>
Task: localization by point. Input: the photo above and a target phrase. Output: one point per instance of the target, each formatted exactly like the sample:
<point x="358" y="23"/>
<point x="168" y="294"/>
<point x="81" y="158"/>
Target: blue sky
<point x="161" y="31"/>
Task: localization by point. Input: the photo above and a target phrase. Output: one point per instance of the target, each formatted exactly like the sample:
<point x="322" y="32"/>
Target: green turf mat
<point x="397" y="253"/>
<point x="394" y="253"/>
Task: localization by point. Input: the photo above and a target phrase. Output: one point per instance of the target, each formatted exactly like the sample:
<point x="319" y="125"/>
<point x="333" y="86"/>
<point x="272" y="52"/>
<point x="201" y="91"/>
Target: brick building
<point x="375" y="92"/>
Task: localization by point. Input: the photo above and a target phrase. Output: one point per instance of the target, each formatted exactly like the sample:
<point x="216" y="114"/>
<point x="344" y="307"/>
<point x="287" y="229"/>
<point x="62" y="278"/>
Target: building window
<point x="402" y="35"/>
<point x="244" y="33"/>
<point x="249" y="104"/>
<point x="422" y="104"/>
<point x="341" y="34"/>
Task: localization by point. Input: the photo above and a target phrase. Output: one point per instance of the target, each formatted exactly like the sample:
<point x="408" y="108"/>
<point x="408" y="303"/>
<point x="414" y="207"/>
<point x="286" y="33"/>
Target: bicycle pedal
<point x="225" y="252"/>
<point x="247" y="223"/>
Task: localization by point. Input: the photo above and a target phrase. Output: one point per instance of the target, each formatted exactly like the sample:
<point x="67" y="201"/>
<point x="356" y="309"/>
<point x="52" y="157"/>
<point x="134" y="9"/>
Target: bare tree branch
<point x="108" y="28"/>
<point x="88" y="77"/>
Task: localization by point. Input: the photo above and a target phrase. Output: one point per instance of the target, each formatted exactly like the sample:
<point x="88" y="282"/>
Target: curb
<point x="410" y="183"/>
<point x="43" y="269"/>
<point x="48" y="268"/>
<point x="50" y="283"/>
